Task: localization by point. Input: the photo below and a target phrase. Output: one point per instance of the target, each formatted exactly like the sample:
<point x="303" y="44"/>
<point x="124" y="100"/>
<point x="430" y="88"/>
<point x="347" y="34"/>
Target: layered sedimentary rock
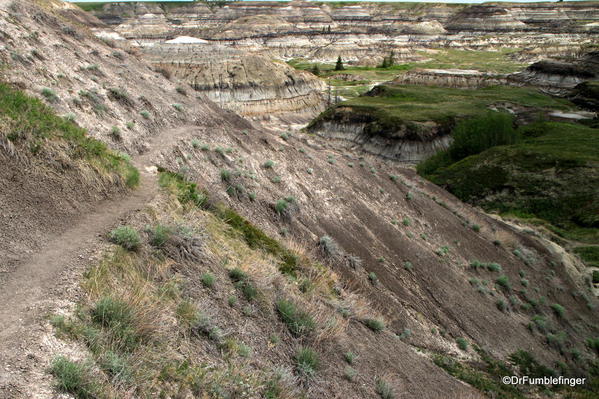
<point x="560" y="76"/>
<point x="455" y="78"/>
<point x="362" y="32"/>
<point x="408" y="141"/>
<point x="250" y="85"/>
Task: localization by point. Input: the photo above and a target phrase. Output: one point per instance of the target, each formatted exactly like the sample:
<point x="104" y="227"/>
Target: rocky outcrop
<point x="250" y="85"/>
<point x="406" y="141"/>
<point x="361" y="32"/>
<point x="559" y="77"/>
<point x="542" y="17"/>
<point x="455" y="78"/>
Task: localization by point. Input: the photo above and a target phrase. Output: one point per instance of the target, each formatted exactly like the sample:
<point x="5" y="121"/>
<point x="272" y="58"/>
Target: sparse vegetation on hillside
<point x="28" y="122"/>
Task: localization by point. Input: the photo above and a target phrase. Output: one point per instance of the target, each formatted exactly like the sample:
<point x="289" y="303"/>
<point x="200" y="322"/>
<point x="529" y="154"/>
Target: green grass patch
<point x="548" y="179"/>
<point x="589" y="255"/>
<point x="75" y="378"/>
<point x="125" y="236"/>
<point x="300" y="323"/>
<point x="30" y="122"/>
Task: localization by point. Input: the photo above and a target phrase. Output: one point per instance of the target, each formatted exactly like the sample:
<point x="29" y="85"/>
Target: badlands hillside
<point x="169" y="230"/>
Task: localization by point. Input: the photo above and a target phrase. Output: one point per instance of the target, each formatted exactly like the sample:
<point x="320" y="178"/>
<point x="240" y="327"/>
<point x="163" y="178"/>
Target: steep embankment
<point x="371" y="260"/>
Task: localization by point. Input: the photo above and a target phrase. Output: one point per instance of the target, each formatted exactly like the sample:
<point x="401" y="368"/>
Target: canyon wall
<point x="362" y="32"/>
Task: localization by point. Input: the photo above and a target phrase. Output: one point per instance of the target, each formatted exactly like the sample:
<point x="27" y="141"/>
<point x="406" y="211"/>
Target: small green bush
<point x="501" y="305"/>
<point x="268" y="164"/>
<point x="383" y="389"/>
<point x="145" y="114"/>
<point x="160" y="235"/>
<point x="476" y="227"/>
<point x="116" y="366"/>
<point x="249" y="290"/>
<point x="373" y="278"/>
<point x="329" y="246"/>
<point x="349" y="373"/>
<point x="350" y="357"/>
<point x="237" y="275"/>
<point x="125" y="236"/>
<point x="226" y="175"/>
<point x="375" y="325"/>
<point x="558" y="309"/>
<point x="208" y="280"/>
<point x="299" y="322"/>
<point x="49" y="94"/>
<point x="232" y="300"/>
<point x="503" y="281"/>
<point x="462" y="343"/>
<point x="75" y="379"/>
<point x="178" y="107"/>
<point x="307" y="362"/>
<point x="115" y="133"/>
<point x="406" y="222"/>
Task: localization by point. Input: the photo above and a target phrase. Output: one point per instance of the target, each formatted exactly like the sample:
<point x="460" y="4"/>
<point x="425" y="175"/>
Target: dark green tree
<point x="316" y="70"/>
<point x="339" y="65"/>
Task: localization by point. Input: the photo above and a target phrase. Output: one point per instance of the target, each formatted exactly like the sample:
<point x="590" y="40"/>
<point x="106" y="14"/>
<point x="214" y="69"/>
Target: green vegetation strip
<point x="28" y="121"/>
<point x="253" y="236"/>
<point x="546" y="172"/>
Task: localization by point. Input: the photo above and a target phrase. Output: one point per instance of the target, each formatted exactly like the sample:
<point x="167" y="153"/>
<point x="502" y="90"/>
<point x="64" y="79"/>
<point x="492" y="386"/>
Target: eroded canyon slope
<point x="254" y="263"/>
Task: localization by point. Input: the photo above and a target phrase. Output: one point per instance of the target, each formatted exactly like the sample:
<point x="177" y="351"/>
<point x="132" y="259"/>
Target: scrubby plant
<point x="145" y="114"/>
<point x="125" y="236"/>
<point x="559" y="310"/>
<point x="208" y="279"/>
<point x="268" y="164"/>
<point x="406" y="222"/>
<point x="373" y="278"/>
<point x="159" y="235"/>
<point x="383" y="389"/>
<point x="524" y="282"/>
<point x="504" y="282"/>
<point x="232" y="300"/>
<point x="116" y="366"/>
<point x="444" y="250"/>
<point x="350" y="357"/>
<point x="299" y="322"/>
<point x="501" y="305"/>
<point x="476" y="227"/>
<point x="49" y="94"/>
<point x="408" y="265"/>
<point x="226" y="175"/>
<point x="409" y="196"/>
<point x="75" y="378"/>
<point x="178" y="107"/>
<point x="237" y="275"/>
<point x="349" y="373"/>
<point x="329" y="246"/>
<point x="249" y="290"/>
<point x="115" y="133"/>
<point x="307" y="362"/>
<point x="120" y="95"/>
<point x="462" y="343"/>
<point x="593" y="343"/>
<point x="375" y="325"/>
<point x="393" y="178"/>
<point x="310" y="171"/>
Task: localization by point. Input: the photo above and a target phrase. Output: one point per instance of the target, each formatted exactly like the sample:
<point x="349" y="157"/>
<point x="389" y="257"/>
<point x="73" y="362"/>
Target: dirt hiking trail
<point x="29" y="291"/>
